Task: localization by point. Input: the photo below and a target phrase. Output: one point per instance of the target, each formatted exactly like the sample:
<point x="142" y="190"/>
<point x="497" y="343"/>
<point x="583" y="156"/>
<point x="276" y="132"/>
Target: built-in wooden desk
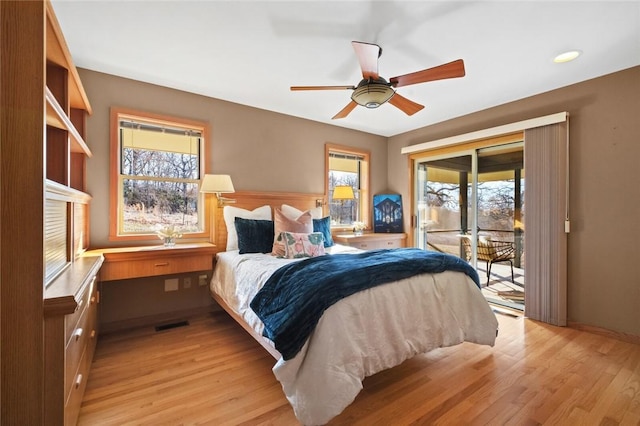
<point x="123" y="263"/>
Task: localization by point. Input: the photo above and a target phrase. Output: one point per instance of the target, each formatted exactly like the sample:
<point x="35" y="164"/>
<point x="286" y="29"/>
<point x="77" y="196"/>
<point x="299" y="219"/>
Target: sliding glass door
<point x="501" y="186"/>
<point x="443" y="200"/>
<point x="471" y="204"/>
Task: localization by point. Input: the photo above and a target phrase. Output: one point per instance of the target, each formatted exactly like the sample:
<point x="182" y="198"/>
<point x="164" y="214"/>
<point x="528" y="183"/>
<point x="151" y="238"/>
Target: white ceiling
<point x="251" y="52"/>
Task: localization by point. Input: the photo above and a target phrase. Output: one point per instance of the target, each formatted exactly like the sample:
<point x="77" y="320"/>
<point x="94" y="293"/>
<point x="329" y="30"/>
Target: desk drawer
<point x="81" y="344"/>
<point x="78" y="385"/>
<point x="372" y="241"/>
<point x="122" y="270"/>
<point x="391" y="244"/>
<point x="89" y="297"/>
<point x="379" y="244"/>
<point x="365" y="245"/>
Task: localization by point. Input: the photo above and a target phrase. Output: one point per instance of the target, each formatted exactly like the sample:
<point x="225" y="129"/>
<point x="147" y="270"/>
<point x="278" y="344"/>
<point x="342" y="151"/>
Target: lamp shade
<point x="372" y="94"/>
<point x="217" y="184"/>
<point x="343" y="192"/>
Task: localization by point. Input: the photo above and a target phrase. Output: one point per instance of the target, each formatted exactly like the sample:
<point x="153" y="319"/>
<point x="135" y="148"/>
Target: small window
<point x="347" y="186"/>
<point x="157" y="165"/>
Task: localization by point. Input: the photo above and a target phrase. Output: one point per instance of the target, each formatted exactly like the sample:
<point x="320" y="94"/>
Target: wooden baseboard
<point x="153" y="320"/>
<point x="629" y="338"/>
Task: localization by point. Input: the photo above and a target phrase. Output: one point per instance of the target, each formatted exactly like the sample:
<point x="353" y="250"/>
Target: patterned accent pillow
<point x="320" y="224"/>
<point x="298" y="245"/>
<point x="281" y="223"/>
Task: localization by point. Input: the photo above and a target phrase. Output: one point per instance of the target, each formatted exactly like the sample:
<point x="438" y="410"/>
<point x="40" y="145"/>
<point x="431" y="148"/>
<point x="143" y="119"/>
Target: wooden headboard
<point x="250" y="200"/>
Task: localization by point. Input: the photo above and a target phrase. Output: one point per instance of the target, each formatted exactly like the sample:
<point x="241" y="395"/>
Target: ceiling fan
<point x="373" y="90"/>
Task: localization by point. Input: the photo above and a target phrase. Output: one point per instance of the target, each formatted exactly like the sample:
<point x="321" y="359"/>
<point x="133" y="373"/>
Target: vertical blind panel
<point x="55" y="238"/>
<point x="545" y="212"/>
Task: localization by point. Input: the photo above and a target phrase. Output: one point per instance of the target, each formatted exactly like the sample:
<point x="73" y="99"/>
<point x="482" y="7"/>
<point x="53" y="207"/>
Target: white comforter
<point x="362" y="334"/>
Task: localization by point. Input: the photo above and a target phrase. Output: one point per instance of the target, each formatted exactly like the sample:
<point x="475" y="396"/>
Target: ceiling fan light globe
<point x="372" y="94"/>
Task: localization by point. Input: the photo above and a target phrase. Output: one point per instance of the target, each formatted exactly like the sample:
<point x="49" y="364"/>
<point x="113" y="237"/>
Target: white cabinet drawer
<point x="372" y="241"/>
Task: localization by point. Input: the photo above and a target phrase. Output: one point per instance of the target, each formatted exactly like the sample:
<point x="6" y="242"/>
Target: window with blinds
<point x="347" y="168"/>
<point x="157" y="176"/>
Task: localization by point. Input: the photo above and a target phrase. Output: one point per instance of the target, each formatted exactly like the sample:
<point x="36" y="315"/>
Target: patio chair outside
<point x="491" y="252"/>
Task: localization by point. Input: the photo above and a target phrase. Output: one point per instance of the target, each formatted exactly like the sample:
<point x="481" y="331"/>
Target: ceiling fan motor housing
<point x="372" y="93"/>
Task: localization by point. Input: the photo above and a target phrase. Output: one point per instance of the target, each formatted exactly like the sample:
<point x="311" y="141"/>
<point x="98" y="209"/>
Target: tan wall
<point x="269" y="151"/>
<point x="261" y="150"/>
<point x="604" y="279"/>
<point x="124" y="303"/>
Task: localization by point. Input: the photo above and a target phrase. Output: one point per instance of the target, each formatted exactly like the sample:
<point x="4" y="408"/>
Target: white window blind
<point x="55" y="238"/>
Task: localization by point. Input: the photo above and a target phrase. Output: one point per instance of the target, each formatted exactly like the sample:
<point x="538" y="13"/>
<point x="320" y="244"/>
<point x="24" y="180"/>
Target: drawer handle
<point x="78" y="333"/>
<point x="93" y="334"/>
<point x="162" y="264"/>
<point x="93" y="300"/>
<point x="80" y="303"/>
<point x="78" y="381"/>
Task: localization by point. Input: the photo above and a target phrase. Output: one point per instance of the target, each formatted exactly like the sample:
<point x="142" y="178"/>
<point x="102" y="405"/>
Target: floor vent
<point x="171" y="325"/>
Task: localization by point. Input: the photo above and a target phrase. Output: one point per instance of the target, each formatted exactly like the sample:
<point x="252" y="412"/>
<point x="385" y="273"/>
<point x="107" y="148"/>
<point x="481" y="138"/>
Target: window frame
<point x="365" y="196"/>
<point x="115" y="208"/>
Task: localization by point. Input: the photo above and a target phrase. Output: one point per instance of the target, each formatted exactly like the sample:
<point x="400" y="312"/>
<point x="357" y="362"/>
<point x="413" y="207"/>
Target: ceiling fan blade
<point x="404" y="104"/>
<point x="450" y="70"/>
<point x="368" y="54"/>
<point x="345" y="111"/>
<point x="294" y="88"/>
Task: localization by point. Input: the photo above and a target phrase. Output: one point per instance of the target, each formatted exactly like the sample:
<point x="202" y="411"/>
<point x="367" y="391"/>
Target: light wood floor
<point x="212" y="372"/>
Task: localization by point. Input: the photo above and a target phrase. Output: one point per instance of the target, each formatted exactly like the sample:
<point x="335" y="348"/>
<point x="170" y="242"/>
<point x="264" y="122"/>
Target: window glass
<point x="159" y="167"/>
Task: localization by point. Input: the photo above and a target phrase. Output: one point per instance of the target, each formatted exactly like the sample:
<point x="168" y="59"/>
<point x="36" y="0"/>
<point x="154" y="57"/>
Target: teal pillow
<point x="324" y="225"/>
<point x="254" y="236"/>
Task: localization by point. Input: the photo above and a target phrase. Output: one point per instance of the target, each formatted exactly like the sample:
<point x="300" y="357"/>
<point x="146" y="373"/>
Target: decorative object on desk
<point x="359" y="227"/>
<point x="169" y="235"/>
<point x="218" y="184"/>
<point x="387" y="213"/>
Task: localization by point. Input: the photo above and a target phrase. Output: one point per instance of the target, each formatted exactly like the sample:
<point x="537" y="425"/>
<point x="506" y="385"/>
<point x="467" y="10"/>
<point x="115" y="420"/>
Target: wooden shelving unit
<point x="70" y="294"/>
<point x="67" y="107"/>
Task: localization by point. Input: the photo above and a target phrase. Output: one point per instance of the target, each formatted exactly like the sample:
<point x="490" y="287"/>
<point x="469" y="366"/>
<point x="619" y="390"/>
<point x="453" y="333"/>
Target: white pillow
<point x="230" y="213"/>
<point x="293" y="213"/>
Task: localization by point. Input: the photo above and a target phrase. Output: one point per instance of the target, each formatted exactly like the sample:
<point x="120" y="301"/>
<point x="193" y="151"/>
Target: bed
<point x="357" y="336"/>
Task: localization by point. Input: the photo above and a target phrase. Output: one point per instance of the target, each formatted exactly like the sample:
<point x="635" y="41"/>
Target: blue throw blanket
<point x="293" y="299"/>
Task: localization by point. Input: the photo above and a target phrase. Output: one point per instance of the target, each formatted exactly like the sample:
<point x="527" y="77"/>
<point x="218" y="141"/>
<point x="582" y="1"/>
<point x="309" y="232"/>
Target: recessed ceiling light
<point x="566" y="56"/>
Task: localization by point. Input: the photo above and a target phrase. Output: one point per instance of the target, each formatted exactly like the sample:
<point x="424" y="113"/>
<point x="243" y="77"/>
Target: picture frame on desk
<point x="387" y="213"/>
